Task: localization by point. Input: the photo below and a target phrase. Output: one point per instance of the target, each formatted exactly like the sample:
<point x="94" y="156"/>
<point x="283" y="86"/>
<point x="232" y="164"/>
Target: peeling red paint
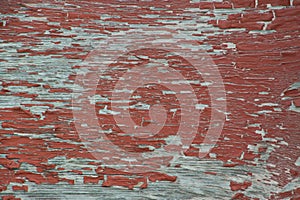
<point x="239" y="186"/>
<point x="93" y="180"/>
<point x="257" y="70"/>
<point x="129" y="183"/>
<point x="10" y="197"/>
<point x="21" y="188"/>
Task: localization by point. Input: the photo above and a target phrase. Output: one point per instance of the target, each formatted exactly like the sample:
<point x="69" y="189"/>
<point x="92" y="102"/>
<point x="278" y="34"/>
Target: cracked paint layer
<point x="255" y="45"/>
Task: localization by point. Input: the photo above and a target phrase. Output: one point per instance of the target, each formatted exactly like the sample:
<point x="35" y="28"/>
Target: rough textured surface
<point x="254" y="43"/>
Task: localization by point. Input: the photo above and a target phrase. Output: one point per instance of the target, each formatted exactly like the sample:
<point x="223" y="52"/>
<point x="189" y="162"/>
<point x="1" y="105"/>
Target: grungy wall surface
<point x="98" y="97"/>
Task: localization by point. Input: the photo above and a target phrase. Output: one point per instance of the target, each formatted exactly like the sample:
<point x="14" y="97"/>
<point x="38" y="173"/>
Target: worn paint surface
<point x="255" y="45"/>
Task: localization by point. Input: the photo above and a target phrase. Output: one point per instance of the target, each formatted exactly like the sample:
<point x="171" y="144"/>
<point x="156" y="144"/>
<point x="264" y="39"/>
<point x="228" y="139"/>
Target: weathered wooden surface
<point x="255" y="46"/>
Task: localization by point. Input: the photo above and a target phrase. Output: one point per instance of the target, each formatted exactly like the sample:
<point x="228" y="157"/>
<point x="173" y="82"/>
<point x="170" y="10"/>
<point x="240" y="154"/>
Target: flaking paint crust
<point x="255" y="45"/>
